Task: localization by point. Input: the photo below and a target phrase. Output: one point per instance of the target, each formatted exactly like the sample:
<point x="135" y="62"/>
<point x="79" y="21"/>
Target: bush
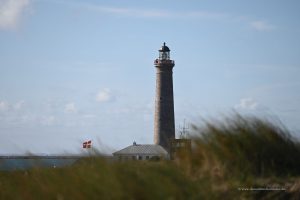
<point x="247" y="145"/>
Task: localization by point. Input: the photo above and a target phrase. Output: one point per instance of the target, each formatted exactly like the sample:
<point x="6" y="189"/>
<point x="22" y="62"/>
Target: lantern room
<point x="164" y="52"/>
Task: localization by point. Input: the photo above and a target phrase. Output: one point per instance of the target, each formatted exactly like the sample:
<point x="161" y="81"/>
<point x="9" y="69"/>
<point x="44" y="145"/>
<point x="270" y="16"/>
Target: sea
<point x="10" y="163"/>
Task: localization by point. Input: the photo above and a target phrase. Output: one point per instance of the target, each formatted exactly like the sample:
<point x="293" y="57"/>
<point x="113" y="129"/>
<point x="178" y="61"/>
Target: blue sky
<point x="77" y="70"/>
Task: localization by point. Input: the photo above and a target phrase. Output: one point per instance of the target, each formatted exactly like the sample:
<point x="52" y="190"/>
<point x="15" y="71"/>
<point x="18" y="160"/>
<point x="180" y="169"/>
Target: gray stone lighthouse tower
<point x="164" y="124"/>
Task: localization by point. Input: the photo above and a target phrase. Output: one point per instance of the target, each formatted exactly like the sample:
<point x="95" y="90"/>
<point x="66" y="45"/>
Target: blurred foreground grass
<point x="228" y="159"/>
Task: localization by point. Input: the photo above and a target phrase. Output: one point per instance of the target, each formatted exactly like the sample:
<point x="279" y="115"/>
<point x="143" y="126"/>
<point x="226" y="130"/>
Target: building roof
<point x="164" y="48"/>
<point x="145" y="149"/>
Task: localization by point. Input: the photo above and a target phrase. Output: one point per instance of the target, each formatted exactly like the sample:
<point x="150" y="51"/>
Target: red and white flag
<point x="87" y="144"/>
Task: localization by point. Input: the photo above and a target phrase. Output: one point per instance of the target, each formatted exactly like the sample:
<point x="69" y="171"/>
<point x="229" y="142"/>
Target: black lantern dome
<point x="164" y="48"/>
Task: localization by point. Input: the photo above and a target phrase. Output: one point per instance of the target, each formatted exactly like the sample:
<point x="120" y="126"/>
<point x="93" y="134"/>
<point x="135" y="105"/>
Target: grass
<point x="239" y="152"/>
<point x="248" y="145"/>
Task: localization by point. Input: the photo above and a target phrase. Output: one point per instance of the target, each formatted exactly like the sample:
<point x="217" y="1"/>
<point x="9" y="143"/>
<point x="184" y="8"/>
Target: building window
<point x="147" y="157"/>
<point x="140" y="158"/>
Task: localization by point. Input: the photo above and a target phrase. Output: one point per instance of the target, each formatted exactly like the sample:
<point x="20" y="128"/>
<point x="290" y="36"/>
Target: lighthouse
<point x="164" y="122"/>
<point x="165" y="146"/>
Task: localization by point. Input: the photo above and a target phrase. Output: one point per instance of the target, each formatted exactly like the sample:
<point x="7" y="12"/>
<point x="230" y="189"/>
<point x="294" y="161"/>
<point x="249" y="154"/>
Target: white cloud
<point x="70" y="108"/>
<point x="4" y="106"/>
<point x="261" y="26"/>
<point x="89" y="116"/>
<point x="156" y="13"/>
<point x="104" y="95"/>
<point x="19" y="105"/>
<point x="47" y="120"/>
<point x="142" y="12"/>
<point x="247" y="104"/>
<point x="258" y="25"/>
<point x="27" y="118"/>
<point x="11" y="12"/>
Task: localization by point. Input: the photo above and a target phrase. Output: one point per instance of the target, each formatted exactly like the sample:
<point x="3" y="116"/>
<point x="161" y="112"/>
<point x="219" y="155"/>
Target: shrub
<point x="247" y="145"/>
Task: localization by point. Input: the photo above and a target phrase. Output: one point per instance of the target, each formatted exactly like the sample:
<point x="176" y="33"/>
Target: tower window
<point x="164" y="55"/>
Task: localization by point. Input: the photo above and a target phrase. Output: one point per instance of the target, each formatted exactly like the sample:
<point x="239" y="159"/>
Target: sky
<point x="77" y="70"/>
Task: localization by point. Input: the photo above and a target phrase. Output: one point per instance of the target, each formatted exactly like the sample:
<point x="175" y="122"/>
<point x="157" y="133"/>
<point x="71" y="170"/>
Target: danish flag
<point x="87" y="144"/>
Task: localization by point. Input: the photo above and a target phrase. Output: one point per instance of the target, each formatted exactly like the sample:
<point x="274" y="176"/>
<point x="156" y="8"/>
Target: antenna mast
<point x="184" y="130"/>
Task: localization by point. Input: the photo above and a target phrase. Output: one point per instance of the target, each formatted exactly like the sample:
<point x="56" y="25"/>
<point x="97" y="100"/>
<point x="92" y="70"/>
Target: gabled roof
<point x="142" y="149"/>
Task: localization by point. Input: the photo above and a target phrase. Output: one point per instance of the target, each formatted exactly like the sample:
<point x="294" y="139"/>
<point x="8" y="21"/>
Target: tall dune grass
<point x="247" y="145"/>
<point x="238" y="152"/>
